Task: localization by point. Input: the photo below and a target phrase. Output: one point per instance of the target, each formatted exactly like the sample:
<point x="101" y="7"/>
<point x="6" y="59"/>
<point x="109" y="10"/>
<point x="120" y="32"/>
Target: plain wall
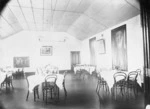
<point x="26" y="43"/>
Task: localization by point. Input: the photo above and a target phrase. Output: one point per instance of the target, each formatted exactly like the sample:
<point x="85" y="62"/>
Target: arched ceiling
<point x="79" y="18"/>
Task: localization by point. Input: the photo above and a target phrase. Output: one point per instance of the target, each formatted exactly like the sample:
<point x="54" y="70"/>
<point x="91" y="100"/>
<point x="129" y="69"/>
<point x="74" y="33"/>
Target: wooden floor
<point x="81" y="94"/>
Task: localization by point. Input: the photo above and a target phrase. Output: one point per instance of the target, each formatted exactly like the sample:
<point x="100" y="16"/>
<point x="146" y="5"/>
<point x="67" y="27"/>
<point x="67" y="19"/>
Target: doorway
<point x="92" y="47"/>
<point x="75" y="58"/>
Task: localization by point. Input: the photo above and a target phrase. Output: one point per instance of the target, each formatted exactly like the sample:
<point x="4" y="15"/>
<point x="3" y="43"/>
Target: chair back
<point x="118" y="76"/>
<point x="50" y="79"/>
<point x="132" y="76"/>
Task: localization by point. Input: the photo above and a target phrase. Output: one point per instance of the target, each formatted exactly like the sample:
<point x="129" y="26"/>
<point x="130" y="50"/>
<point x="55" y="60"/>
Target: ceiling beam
<point x="132" y="4"/>
<point x="8" y="35"/>
<point x="78" y="5"/>
<point x="52" y="11"/>
<point x="8" y="23"/>
<point x="43" y="16"/>
<point x="15" y="16"/>
<point x="33" y="14"/>
<point x="64" y="12"/>
<point x="23" y="14"/>
<point x="95" y="20"/>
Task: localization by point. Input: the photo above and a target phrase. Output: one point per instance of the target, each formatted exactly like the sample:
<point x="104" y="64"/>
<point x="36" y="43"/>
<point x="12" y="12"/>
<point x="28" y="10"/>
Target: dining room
<point x="74" y="54"/>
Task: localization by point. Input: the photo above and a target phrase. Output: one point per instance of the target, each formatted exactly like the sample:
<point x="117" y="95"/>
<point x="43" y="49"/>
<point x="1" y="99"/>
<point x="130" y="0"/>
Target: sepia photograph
<point x="74" y="54"/>
<point x="46" y="51"/>
<point x="21" y="62"/>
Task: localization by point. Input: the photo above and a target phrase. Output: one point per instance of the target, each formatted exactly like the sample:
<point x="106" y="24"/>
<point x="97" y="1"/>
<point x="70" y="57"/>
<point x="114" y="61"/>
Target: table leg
<point x="27" y="96"/>
<point x="64" y="88"/>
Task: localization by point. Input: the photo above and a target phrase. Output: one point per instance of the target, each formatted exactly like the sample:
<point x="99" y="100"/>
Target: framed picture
<point x="119" y="48"/>
<point x="101" y="46"/>
<point x="46" y="51"/>
<point x="21" y="62"/>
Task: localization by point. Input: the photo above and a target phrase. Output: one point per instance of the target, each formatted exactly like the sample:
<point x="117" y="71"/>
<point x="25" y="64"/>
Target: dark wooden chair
<point x="119" y="84"/>
<point x="132" y="83"/>
<point x="50" y="88"/>
<point x="8" y="82"/>
<point x="102" y="86"/>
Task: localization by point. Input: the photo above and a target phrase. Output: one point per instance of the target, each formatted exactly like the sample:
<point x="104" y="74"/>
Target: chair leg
<point x="129" y="92"/>
<point x="38" y="94"/>
<point x="51" y="90"/>
<point x="135" y="93"/>
<point x="116" y="92"/>
<point x="58" y="92"/>
<point x="107" y="90"/>
<point x="46" y="96"/>
<point x="12" y="85"/>
<point x="97" y="88"/>
<point x="43" y="94"/>
<point x="27" y="96"/>
<point x="121" y="90"/>
<point x="6" y="86"/>
<point x="64" y="89"/>
<point x="34" y="94"/>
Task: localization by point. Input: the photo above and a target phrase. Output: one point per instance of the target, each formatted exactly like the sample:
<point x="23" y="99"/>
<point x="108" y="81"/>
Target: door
<point x="92" y="51"/>
<point x="75" y="58"/>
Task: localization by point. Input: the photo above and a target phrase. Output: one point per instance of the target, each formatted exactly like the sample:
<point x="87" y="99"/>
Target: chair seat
<point x="121" y="83"/>
<point x="48" y="87"/>
<point x="119" y="86"/>
<point x="36" y="87"/>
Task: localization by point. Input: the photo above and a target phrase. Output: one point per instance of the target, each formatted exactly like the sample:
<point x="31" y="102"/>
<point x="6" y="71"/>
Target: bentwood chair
<point x="132" y="83"/>
<point x="119" y="84"/>
<point x="94" y="73"/>
<point x="102" y="87"/>
<point x="50" y="88"/>
<point x="8" y="82"/>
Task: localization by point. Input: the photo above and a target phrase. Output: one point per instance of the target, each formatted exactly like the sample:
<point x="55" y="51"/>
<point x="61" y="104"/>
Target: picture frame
<point x="46" y="51"/>
<point x="21" y="62"/>
<point x="101" y="46"/>
<point x="119" y="48"/>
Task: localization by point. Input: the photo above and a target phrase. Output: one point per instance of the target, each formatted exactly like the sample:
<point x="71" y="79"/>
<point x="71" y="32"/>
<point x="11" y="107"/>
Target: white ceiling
<point x="79" y="18"/>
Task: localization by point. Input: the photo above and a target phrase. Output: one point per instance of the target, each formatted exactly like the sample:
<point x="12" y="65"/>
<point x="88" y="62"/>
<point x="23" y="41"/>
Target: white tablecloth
<point x="90" y="69"/>
<point x="148" y="106"/>
<point x="35" y="80"/>
<point x="43" y="71"/>
<point x="108" y="76"/>
<point x="2" y="77"/>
